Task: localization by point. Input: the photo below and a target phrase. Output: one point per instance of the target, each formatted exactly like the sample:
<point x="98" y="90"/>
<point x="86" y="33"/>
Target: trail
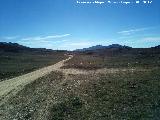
<point x="11" y="86"/>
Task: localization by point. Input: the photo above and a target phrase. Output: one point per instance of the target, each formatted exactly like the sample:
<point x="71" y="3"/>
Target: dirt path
<point x="12" y="86"/>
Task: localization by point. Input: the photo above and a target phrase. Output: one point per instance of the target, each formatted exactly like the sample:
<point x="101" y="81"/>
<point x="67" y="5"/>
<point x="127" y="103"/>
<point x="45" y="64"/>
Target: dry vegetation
<point x="114" y="96"/>
<point x="134" y="58"/>
<point x="121" y="95"/>
<point x="15" y="64"/>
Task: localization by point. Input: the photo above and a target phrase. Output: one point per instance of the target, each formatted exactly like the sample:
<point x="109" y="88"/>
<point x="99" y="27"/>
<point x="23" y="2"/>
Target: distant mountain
<point x="99" y="47"/>
<point x="157" y="46"/>
<point x="12" y="47"/>
<point x="15" y="47"/>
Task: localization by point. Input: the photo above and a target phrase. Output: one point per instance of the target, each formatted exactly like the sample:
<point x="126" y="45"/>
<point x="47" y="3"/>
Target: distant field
<point x="114" y="96"/>
<point x="116" y="59"/>
<point x="14" y="64"/>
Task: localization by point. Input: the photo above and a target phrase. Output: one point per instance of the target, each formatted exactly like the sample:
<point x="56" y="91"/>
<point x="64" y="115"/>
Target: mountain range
<point x="15" y="47"/>
<point x="99" y="47"/>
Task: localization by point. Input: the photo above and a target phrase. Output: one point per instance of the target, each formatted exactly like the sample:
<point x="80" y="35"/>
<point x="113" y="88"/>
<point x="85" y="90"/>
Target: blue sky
<point x="64" y="24"/>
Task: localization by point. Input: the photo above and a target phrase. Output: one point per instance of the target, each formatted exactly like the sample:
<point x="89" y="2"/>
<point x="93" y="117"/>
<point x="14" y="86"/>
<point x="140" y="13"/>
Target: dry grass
<point x="119" y="60"/>
<point x="113" y="96"/>
<point x="15" y="64"/>
<point x="129" y="95"/>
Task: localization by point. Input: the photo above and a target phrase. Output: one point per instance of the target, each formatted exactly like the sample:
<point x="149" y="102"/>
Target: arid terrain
<point x="94" y="85"/>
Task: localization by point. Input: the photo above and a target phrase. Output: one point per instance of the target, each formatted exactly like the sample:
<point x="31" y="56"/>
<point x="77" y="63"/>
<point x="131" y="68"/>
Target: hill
<point x="17" y="59"/>
<point x="100" y="47"/>
<point x="12" y="47"/>
<point x="157" y="46"/>
<point x="15" y="47"/>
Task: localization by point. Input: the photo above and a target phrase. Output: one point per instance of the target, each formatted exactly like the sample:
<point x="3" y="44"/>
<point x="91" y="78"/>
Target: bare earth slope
<point x="12" y="86"/>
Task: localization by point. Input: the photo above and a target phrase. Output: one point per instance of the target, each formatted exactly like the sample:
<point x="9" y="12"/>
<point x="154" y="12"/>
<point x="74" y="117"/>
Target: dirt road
<point x="12" y="86"/>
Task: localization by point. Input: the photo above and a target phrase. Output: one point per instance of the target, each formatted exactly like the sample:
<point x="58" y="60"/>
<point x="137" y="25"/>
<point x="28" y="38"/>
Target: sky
<point x="71" y="24"/>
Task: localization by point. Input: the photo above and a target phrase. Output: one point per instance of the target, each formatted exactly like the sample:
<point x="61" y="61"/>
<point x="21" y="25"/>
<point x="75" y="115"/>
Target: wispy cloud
<point x="76" y="45"/>
<point x="132" y="31"/>
<point x="152" y="39"/>
<point x="50" y="41"/>
<point x="45" y="37"/>
<point x="10" y="37"/>
<point x="80" y="44"/>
